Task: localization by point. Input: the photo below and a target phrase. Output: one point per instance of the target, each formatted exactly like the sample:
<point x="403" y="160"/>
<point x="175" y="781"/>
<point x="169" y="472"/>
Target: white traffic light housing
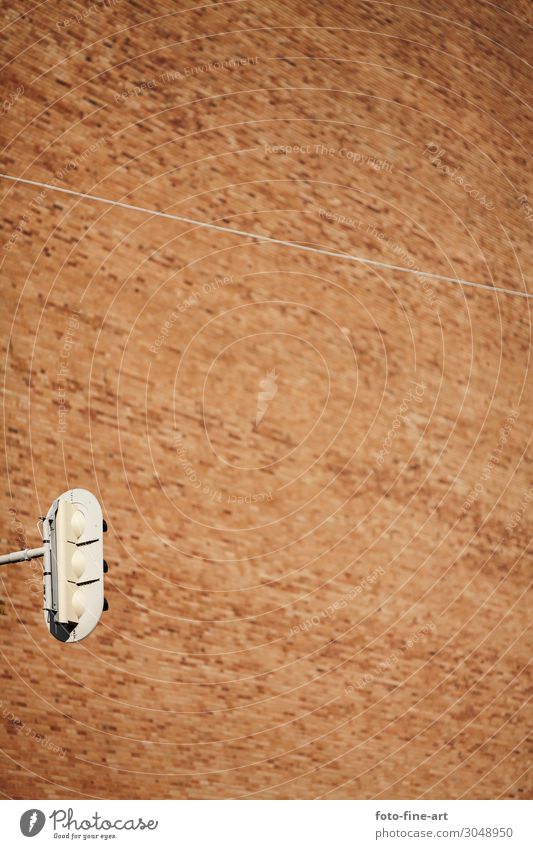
<point x="74" y="565"/>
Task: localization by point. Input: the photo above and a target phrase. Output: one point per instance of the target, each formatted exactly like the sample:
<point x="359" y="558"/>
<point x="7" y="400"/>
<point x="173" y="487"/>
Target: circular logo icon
<point x="32" y="822"/>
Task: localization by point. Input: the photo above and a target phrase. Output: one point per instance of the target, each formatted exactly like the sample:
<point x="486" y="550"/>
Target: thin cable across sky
<point x="260" y="237"/>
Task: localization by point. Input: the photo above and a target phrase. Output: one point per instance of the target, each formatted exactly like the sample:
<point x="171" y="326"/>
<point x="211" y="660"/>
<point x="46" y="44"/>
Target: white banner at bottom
<point x="268" y="824"/>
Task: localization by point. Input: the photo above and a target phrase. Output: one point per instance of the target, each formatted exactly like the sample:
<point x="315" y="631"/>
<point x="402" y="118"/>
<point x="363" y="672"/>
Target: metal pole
<point x="17" y="556"/>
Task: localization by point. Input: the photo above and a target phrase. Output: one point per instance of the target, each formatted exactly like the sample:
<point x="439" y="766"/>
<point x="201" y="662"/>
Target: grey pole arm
<point x="18" y="556"/>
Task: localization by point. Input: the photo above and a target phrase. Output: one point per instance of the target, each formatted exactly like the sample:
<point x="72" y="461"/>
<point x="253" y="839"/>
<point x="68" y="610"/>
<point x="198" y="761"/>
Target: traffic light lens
<point x="78" y="564"/>
<point x="78" y="603"/>
<point x="78" y="523"/>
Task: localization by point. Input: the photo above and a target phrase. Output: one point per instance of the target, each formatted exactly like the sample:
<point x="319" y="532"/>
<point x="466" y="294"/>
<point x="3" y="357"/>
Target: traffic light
<point x="74" y="565"/>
